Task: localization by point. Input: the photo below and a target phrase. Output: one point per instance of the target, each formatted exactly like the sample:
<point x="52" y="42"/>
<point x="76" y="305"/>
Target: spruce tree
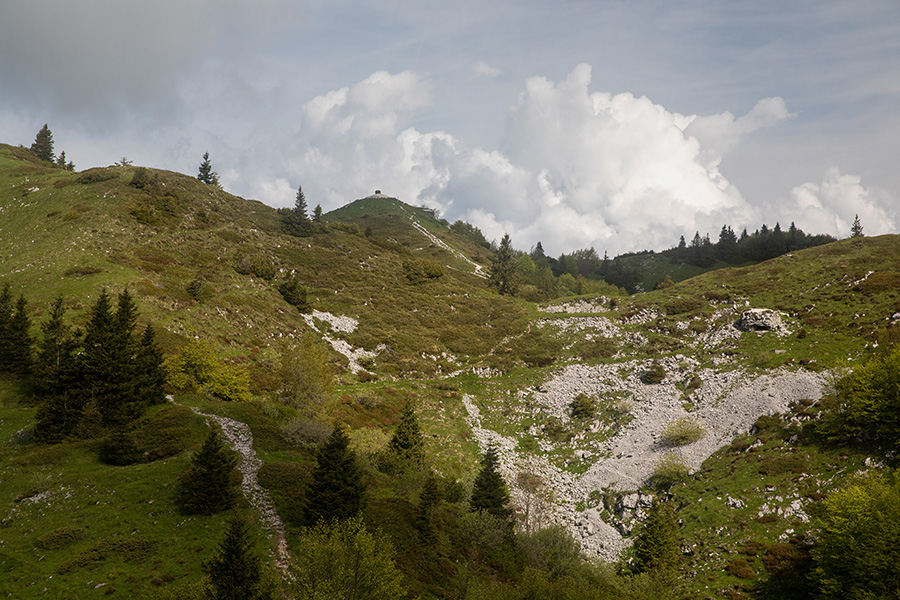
<point x="43" y="144"/>
<point x="429" y="498"/>
<point x="489" y="492"/>
<point x="209" y="486"/>
<point x="6" y="315"/>
<point x="150" y="370"/>
<point x="18" y="353"/>
<point x="206" y="173"/>
<point x="657" y="547"/>
<point x="56" y="373"/>
<point x="235" y="570"/>
<point x="856" y="230"/>
<point x="336" y="491"/>
<point x="406" y="443"/>
<point x="503" y="274"/>
<point x="317" y="213"/>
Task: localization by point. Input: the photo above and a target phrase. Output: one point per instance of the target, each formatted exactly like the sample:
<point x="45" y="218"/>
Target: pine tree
<point x="856" y="230"/>
<point x="429" y="498"/>
<point x="18" y="355"/>
<point x="56" y="372"/>
<point x="657" y="547"/>
<point x="317" y="213"/>
<point x="206" y="174"/>
<point x="300" y="205"/>
<point x="503" y="274"/>
<point x="489" y="492"/>
<point x="406" y="443"/>
<point x="296" y="221"/>
<point x="336" y="491"/>
<point x="43" y="144"/>
<point x="209" y="486"/>
<point x="235" y="570"/>
<point x="6" y="315"/>
<point x="150" y="371"/>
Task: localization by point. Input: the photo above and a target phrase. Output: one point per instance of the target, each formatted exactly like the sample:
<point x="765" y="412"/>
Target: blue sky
<point x="614" y="124"/>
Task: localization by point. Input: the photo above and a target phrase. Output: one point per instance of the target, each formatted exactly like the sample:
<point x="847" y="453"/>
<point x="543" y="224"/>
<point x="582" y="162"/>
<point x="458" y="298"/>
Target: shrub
<point x="419" y="270"/>
<point x="196" y="368"/>
<point x="262" y="267"/>
<point x="682" y="431"/>
<point x="295" y="293"/>
<point x="583" y="407"/>
<point x="119" y="449"/>
<point x="307" y="432"/>
<point x="97" y="175"/>
<point x="654" y="374"/>
<point x="58" y="538"/>
<point x="739" y="567"/>
<point x="669" y="470"/>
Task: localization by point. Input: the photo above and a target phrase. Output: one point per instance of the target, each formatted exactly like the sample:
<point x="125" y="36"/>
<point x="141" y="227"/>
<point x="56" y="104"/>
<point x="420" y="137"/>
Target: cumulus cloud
<point x="482" y="69"/>
<point x="575" y="168"/>
<point x="832" y="205"/>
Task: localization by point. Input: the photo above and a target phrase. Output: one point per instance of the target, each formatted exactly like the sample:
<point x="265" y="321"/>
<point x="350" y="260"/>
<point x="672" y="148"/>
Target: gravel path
<point x="240" y="438"/>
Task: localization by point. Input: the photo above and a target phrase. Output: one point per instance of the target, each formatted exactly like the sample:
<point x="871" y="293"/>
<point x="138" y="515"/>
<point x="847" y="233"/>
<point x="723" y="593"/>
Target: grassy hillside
<point x="203" y="263"/>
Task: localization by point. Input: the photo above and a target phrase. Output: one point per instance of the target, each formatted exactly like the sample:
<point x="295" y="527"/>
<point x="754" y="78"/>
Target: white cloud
<point x="482" y="69"/>
<point x="831" y="206"/>
<point x="575" y="168"/>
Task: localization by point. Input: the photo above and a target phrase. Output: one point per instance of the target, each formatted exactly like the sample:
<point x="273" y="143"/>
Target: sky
<point x="614" y="124"/>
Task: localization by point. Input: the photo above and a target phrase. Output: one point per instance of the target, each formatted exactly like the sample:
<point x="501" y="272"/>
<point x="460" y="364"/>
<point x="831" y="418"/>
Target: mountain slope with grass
<point x="705" y="392"/>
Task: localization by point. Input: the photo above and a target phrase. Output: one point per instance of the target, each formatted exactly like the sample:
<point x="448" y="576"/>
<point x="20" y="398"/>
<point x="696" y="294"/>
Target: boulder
<point x="760" y="319"/>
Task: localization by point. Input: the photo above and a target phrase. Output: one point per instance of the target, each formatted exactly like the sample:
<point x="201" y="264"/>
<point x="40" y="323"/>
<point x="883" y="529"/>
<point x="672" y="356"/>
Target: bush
<point x="119" y="449"/>
<point x="655" y="374"/>
<point x="307" y="432"/>
<point x="419" y="270"/>
<point x="739" y="567"/>
<point x="295" y="293"/>
<point x="583" y="407"/>
<point x="669" y="470"/>
<point x="58" y="538"/>
<point x="682" y="431"/>
<point x="196" y="368"/>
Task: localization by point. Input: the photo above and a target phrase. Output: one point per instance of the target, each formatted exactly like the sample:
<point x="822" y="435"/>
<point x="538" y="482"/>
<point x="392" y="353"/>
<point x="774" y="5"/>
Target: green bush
<point x="59" y="538"/>
<point x="583" y="407"/>
<point x="196" y="368"/>
<point x="654" y="374"/>
<point x="682" y="431"/>
<point x="669" y="470"/>
<point x="295" y="293"/>
<point x="418" y="270"/>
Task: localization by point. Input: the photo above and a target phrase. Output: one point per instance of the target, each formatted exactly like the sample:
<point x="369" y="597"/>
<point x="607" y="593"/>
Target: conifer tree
<point x="317" y="213"/>
<point x="296" y="221"/>
<point x="209" y="486"/>
<point x="6" y="314"/>
<point x="235" y="570"/>
<point x="17" y="355"/>
<point x="429" y="498"/>
<point x="56" y="372"/>
<point x="206" y="173"/>
<point x="503" y="274"/>
<point x="856" y="230"/>
<point x="300" y="205"/>
<point x="150" y="371"/>
<point x="489" y="492"/>
<point x="406" y="443"/>
<point x="657" y="547"/>
<point x="43" y="144"/>
<point x="336" y="491"/>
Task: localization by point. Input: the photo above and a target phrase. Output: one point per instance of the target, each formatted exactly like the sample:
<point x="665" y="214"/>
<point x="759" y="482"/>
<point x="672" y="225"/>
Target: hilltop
<point x="400" y="303"/>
